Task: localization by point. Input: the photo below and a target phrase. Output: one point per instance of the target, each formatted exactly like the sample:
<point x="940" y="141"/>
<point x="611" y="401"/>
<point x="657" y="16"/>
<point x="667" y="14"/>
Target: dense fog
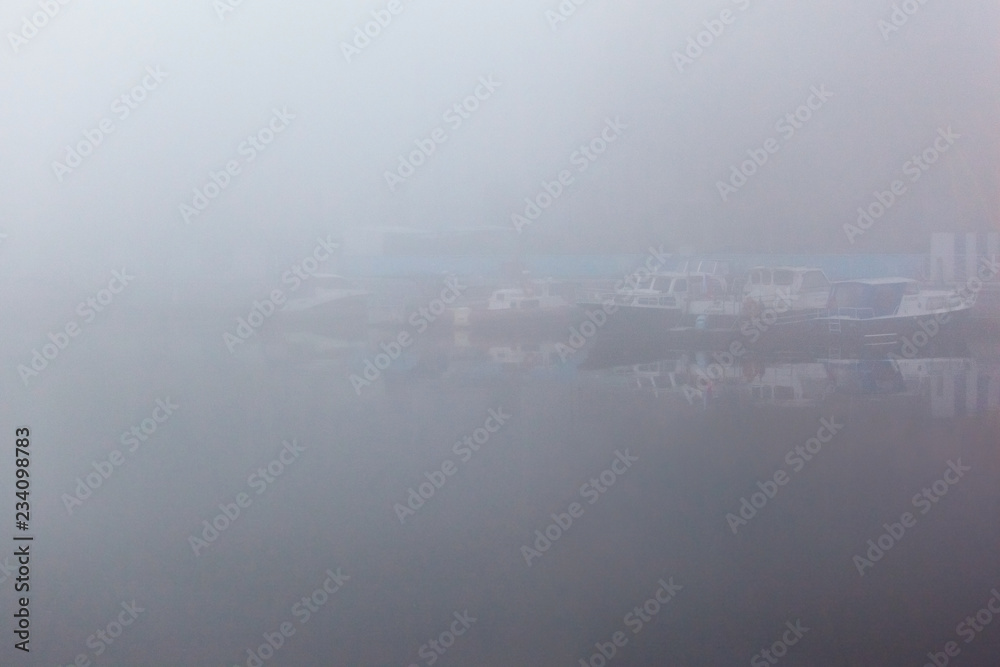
<point x="566" y="332"/>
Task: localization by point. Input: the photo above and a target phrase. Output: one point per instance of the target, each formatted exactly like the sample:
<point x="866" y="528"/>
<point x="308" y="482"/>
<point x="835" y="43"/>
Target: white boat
<point x="664" y="299"/>
<point x="792" y="288"/>
<point x="787" y="291"/>
<point x="531" y="303"/>
<point x="882" y="310"/>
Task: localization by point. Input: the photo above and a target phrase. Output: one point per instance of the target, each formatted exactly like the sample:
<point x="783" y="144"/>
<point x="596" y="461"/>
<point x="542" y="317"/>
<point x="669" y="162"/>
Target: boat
<point x="793" y="288"/>
<point x="529" y="305"/>
<point x="722" y="308"/>
<point x="666" y="299"/>
<point x="884" y="311"/>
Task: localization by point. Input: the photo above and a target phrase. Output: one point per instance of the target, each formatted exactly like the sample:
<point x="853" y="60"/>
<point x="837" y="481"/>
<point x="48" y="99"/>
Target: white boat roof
<point x="878" y="281"/>
<point x="787" y="268"/>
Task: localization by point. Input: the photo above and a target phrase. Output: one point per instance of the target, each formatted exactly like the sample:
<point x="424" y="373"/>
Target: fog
<point x="235" y="233"/>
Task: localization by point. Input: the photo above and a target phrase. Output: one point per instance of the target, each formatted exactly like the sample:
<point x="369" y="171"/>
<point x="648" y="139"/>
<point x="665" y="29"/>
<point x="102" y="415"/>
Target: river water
<point x="694" y="515"/>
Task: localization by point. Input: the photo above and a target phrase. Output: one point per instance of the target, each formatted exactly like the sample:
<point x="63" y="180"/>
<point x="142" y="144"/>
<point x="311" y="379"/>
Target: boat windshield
<point x="783" y="277"/>
<point x="881" y="299"/>
<point x="814" y="280"/>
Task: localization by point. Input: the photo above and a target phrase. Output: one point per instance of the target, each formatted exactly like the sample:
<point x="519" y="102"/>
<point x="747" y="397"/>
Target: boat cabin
<point x="878" y="297"/>
<point x="802" y="287"/>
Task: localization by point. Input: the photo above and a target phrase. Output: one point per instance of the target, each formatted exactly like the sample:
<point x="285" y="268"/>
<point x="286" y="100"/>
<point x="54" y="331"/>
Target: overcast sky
<point x="559" y="81"/>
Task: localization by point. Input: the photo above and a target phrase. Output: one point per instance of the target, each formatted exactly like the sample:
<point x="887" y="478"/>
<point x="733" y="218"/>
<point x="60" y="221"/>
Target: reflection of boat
<point x="658" y="377"/>
<point x="525" y="356"/>
<point x="951" y="386"/>
<point x="331" y="302"/>
<point x="866" y="376"/>
<point x="789" y="384"/>
<point x="305" y="346"/>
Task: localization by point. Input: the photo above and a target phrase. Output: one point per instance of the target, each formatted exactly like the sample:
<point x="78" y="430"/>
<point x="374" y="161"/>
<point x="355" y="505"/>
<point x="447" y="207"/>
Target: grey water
<point x="635" y="485"/>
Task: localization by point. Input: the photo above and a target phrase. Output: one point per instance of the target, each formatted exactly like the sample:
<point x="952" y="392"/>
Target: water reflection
<point x="943" y="386"/>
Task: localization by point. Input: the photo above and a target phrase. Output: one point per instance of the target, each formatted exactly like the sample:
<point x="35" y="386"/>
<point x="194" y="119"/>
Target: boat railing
<point x="797" y="316"/>
<point x="852" y="313"/>
<point x="619" y="298"/>
<point x="597" y="296"/>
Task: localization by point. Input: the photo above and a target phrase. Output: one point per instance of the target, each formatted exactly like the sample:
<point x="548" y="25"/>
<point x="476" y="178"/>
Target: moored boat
<point x="882" y="311"/>
<point x="529" y="305"/>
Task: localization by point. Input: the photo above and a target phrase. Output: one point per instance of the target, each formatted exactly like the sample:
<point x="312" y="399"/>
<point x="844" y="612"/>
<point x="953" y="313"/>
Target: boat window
<point x="912" y="288"/>
<point x="646" y="283"/>
<point x="681" y="285"/>
<point x="784" y="393"/>
<point x="755" y="277"/>
<point x="848" y="295"/>
<point x="765" y="277"/>
<point x="783" y="277"/>
<point x="885" y="298"/>
<point x="814" y="280"/>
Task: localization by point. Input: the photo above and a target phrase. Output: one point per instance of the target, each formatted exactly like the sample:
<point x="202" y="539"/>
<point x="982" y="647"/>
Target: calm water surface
<point x="721" y="495"/>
